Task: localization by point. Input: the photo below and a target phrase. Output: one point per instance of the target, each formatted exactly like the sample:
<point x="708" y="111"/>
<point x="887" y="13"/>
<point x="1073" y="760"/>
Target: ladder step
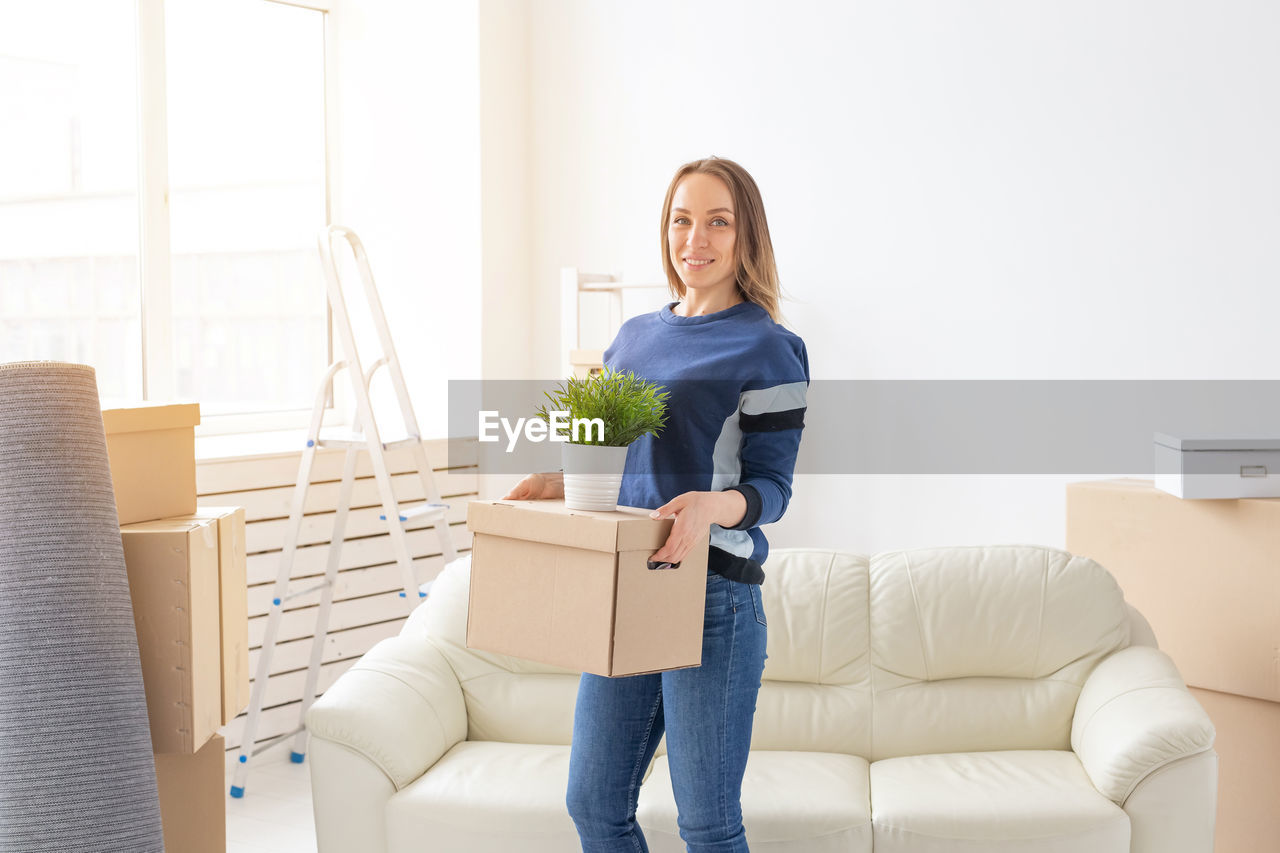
<point x="306" y="591"/>
<point x="265" y="745"/>
<point x="424" y="589"/>
<point x="423" y="510"/>
<point x="348" y="439"/>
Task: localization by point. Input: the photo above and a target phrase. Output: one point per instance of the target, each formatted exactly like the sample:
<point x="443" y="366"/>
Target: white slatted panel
<point x="367" y="606"/>
<point x="357" y="553"/>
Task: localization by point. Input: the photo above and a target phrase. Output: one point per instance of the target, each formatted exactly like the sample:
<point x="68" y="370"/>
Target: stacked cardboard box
<point x="193" y="799"/>
<point x="1206" y="574"/>
<point x="153" y="460"/>
<point x="187" y="579"/>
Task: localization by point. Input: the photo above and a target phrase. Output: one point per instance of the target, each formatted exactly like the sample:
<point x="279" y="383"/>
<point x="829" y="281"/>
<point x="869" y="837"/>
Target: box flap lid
<point x="217" y="512"/>
<point x="627" y="529"/>
<point x="178" y="524"/>
<point x="149" y="416"/>
<point x="1217" y="442"/>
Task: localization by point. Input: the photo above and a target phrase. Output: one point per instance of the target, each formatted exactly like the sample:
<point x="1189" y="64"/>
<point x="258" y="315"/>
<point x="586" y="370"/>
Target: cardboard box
<point x="173" y="582"/>
<point x="152" y="453"/>
<point x="193" y="801"/>
<point x="573" y="589"/>
<point x="1248" y="747"/>
<point x="233" y="607"/>
<point x="1206" y="574"/>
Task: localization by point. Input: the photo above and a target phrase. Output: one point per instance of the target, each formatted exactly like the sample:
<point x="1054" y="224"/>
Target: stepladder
<point x="363" y="436"/>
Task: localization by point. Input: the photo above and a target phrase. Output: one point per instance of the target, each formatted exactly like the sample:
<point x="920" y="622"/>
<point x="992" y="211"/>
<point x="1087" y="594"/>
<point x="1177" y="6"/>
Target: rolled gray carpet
<point x="76" y="769"/>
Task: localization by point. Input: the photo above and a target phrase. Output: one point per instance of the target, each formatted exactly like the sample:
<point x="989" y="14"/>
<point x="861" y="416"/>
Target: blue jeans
<point x="706" y="712"/>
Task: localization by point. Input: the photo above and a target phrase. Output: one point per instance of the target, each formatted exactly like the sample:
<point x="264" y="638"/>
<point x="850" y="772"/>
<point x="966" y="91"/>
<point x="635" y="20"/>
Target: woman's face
<point x="702" y="232"/>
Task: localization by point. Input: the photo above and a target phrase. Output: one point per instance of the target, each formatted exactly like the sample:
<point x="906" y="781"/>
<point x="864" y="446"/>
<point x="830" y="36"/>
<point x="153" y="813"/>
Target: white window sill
<point x="247" y="445"/>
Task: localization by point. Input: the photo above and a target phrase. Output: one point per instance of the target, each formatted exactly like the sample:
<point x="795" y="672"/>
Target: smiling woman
<point x="715" y="240"/>
<point x="722" y="467"/>
<point x="701" y="245"/>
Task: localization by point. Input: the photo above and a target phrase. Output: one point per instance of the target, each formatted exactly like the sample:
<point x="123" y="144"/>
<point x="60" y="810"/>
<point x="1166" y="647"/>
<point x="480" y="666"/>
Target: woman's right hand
<point x="538" y="487"/>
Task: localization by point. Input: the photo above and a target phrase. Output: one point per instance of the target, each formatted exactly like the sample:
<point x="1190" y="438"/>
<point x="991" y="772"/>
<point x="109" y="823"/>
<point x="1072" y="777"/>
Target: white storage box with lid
<point x="1218" y="466"/>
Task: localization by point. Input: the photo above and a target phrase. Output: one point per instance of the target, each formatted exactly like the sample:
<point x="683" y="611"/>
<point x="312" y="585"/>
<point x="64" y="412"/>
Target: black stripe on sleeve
<point x="772" y="421"/>
<point x="733" y="567"/>
<point x="754" y="506"/>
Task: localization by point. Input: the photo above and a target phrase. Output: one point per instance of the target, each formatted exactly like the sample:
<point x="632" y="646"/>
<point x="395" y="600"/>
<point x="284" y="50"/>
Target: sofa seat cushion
<point x="1031" y="801"/>
<point x="800" y="802"/>
<point x="487" y="797"/>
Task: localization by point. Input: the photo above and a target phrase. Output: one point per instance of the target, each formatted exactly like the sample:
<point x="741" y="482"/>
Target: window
<point x="69" y="288"/>
<point x="245" y="88"/>
<point x="230" y="308"/>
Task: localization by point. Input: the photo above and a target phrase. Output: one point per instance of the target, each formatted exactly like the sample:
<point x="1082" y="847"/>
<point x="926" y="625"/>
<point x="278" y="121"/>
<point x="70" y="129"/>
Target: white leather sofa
<point x="952" y="699"/>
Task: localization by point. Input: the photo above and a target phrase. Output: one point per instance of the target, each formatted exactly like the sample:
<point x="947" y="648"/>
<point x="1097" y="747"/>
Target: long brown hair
<point x="757" y="271"/>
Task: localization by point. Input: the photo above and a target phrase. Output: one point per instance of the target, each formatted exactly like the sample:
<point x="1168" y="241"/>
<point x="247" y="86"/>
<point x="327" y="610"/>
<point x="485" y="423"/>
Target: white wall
<point x="976" y="190"/>
<point x="507" y="336"/>
<point x="410" y="181"/>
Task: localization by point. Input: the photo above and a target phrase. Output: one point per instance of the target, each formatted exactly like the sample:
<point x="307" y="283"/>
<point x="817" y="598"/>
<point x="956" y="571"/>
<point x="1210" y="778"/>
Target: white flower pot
<point x="592" y="476"/>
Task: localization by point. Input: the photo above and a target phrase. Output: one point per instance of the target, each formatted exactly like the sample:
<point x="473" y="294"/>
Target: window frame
<point x="155" y="261"/>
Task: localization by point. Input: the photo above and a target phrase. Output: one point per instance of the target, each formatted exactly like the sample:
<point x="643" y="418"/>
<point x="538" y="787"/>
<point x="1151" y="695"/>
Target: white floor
<point x="274" y="815"/>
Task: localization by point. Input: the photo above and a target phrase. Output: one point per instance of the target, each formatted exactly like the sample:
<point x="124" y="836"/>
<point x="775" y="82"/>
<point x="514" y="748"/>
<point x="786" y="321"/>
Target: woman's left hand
<point x="695" y="512"/>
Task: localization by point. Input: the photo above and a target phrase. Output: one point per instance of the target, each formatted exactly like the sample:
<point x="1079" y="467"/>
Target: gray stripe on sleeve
<point x="736" y="542"/>
<point x="726" y="464"/>
<point x="779" y="398"/>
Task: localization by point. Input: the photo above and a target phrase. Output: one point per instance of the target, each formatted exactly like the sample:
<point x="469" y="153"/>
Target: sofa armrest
<point x="1134" y="716"/>
<point x="349" y="798"/>
<point x="400" y="707"/>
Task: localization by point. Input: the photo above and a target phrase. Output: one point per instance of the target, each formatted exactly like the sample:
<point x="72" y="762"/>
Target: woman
<point x="723" y="463"/>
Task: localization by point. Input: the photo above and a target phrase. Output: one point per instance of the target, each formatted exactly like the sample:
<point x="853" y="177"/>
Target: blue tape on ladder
<point x="402" y="595"/>
<point x="244" y="759"/>
<point x="237" y="791"/>
<point x="421" y="594"/>
<point x="276" y="602"/>
<point x="296" y="757"/>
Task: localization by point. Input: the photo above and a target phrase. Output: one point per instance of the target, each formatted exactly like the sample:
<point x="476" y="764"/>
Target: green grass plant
<point x="629" y="406"/>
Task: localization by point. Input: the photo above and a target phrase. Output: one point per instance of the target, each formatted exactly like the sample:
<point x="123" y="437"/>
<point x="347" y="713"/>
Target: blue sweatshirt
<point x="737" y="383"/>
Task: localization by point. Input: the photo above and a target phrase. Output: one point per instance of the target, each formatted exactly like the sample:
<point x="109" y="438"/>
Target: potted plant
<point x="599" y="417"/>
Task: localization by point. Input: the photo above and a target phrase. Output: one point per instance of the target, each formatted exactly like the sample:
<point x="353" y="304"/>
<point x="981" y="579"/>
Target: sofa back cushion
<point x="909" y="652"/>
<point x="815" y="695"/>
<point x="986" y="647"/>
